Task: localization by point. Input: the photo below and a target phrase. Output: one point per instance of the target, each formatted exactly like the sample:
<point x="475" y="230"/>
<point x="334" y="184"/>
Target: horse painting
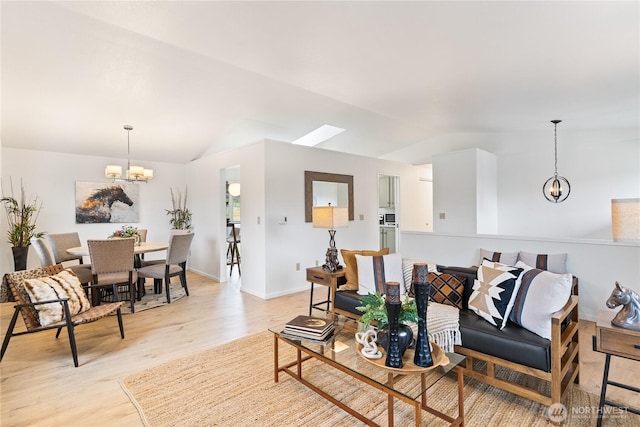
<point x="629" y="316"/>
<point x="97" y="208"/>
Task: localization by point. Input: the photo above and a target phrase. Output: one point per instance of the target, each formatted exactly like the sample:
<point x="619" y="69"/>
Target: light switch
<point x="442" y="215"/>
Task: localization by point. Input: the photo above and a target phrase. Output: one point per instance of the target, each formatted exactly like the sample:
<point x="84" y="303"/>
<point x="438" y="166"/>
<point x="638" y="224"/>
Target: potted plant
<point x="180" y="217"/>
<point x="22" y="214"/>
<point x="126" y="231"/>
<point x="375" y="311"/>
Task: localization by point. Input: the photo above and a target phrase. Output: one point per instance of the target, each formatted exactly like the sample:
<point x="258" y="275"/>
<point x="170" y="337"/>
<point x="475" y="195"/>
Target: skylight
<point x="319" y="135"/>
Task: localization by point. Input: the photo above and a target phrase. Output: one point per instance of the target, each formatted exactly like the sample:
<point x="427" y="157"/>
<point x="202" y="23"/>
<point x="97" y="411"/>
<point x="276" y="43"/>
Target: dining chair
<point x="83" y="271"/>
<point x="60" y="242"/>
<point x="174" y="265"/>
<point x="112" y="263"/>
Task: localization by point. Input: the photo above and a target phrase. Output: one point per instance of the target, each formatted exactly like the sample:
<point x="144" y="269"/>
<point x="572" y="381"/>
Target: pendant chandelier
<point x="133" y="173"/>
<point x="556" y="189"/>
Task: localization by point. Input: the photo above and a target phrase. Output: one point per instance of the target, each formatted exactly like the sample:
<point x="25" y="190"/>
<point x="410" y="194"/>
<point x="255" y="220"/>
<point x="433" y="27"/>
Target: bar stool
<point x="233" y="249"/>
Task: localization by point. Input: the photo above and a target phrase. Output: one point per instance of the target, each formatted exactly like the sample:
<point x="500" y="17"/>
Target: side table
<point x="614" y="341"/>
<point x="316" y="275"/>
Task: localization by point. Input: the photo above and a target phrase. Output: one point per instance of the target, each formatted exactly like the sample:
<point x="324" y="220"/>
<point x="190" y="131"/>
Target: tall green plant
<point x="22" y="215"/>
<point x="180" y="216"/>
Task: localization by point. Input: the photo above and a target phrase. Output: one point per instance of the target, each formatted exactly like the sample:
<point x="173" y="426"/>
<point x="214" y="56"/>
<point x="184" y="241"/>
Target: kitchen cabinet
<point x="388" y="238"/>
<point x="386" y="191"/>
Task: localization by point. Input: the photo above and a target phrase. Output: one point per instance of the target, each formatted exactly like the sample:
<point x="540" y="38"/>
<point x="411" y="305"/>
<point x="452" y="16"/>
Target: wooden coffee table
<point x="409" y="385"/>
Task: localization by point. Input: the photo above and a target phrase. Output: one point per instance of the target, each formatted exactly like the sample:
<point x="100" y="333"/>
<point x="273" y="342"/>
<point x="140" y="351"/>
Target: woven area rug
<point x="232" y="385"/>
<point x="151" y="300"/>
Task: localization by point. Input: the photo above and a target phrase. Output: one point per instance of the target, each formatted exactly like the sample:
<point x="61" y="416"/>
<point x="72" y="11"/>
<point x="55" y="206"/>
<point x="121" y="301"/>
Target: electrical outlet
<point x="361" y="217"/>
<point x="317" y="263"/>
<point x="297" y="266"/>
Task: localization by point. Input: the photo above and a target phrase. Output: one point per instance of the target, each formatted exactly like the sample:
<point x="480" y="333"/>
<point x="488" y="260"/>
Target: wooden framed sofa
<point x="493" y="354"/>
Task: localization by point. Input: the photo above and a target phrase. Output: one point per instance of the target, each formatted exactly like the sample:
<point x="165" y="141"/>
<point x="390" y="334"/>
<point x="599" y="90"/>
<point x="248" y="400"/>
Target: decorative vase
<point x="405" y="338"/>
<point x="422" y="356"/>
<point x="393" y="305"/>
<point x="20" y="254"/>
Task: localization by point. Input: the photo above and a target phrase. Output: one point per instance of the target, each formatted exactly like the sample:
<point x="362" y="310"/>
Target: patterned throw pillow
<point x="540" y="295"/>
<point x="407" y="272"/>
<point x="506" y="258"/>
<point x="351" y="267"/>
<point x="446" y="289"/>
<point x="375" y="271"/>
<point x="555" y="263"/>
<point x="494" y="292"/>
<point x="62" y="285"/>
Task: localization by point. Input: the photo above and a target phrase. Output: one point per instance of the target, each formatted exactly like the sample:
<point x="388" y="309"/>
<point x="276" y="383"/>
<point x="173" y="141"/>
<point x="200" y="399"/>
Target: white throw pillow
<point x="541" y="294"/>
<point x="375" y="271"/>
<point x="507" y="258"/>
<point x="555" y="263"/>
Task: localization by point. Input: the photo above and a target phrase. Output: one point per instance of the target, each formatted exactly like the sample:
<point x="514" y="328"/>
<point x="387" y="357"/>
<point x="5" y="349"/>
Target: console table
<point x="615" y="341"/>
<point x="316" y="275"/>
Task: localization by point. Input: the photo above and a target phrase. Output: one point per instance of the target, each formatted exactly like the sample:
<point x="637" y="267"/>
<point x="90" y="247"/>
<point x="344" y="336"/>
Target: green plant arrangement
<point x="374" y="309"/>
<point x="180" y="216"/>
<point x="126" y="231"/>
<point x="22" y="215"/>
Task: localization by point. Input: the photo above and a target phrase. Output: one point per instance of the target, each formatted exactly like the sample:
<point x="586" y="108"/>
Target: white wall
<point x="273" y="187"/>
<point x="205" y="178"/>
<point x="465" y="191"/>
<point x="52" y="177"/>
<point x="600" y="165"/>
<point x="597" y="264"/>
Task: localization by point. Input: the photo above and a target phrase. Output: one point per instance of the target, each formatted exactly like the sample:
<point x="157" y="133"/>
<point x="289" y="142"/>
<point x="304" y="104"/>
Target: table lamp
<point x="331" y="217"/>
<point x="625" y="220"/>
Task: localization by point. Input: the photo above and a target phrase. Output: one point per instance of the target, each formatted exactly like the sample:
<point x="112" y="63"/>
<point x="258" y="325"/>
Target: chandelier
<point x="556" y="189"/>
<point x="133" y="173"/>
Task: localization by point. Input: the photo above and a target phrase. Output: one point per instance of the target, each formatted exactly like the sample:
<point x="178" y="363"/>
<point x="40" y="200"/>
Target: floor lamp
<point x="331" y="217"/>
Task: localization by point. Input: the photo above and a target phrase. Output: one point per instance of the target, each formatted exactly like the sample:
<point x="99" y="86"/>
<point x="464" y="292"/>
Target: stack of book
<point x="308" y="327"/>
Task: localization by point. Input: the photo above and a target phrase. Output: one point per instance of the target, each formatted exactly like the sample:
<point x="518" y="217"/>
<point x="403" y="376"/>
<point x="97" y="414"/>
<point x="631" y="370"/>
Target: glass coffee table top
<point x="342" y="349"/>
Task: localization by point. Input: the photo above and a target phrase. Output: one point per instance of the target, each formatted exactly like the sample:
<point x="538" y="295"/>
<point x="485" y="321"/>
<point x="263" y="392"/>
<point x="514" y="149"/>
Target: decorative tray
<point x="439" y="359"/>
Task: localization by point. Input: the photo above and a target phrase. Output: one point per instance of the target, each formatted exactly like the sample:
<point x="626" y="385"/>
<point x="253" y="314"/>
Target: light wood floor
<point x="40" y="386"/>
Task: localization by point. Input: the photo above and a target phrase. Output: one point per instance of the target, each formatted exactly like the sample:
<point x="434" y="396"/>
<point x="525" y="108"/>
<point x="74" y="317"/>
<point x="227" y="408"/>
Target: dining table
<point x="140" y="249"/>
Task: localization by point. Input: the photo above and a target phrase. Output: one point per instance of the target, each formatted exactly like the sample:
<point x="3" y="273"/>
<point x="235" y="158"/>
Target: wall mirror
<point x="321" y="188"/>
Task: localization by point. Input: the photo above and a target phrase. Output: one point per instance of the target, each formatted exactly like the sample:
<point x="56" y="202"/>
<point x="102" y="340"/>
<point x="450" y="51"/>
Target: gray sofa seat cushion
<point x="512" y="343"/>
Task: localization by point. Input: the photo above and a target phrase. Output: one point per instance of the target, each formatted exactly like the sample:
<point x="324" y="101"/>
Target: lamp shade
<point x="113" y="171"/>
<point x="331" y="217"/>
<point x="234" y="189"/>
<point x="625" y="220"/>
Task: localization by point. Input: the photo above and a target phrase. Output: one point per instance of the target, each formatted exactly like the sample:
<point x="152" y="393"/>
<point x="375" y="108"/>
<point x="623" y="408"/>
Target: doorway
<point x="233" y="239"/>
<point x="388" y="211"/>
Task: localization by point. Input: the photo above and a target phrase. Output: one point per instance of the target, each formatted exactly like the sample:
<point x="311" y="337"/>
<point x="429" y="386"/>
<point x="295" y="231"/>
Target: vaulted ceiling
<point x="400" y="77"/>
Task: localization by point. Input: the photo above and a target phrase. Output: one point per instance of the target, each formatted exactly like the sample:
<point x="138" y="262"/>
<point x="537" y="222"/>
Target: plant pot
<point x="20" y="254"/>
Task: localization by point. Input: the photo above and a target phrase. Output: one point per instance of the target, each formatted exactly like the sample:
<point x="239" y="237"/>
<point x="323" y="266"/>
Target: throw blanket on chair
<point x="443" y="325"/>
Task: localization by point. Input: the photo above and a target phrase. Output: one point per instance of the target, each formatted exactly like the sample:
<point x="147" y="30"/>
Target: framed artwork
<point x="100" y="202"/>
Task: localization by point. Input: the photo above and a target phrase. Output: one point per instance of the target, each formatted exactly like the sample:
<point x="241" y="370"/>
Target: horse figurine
<point x="629" y="316"/>
<point x="97" y="207"/>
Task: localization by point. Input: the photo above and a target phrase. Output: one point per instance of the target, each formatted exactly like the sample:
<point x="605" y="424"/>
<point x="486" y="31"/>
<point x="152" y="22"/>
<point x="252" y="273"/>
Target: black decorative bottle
<point x="422" y="356"/>
<point x="393" y="305"/>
